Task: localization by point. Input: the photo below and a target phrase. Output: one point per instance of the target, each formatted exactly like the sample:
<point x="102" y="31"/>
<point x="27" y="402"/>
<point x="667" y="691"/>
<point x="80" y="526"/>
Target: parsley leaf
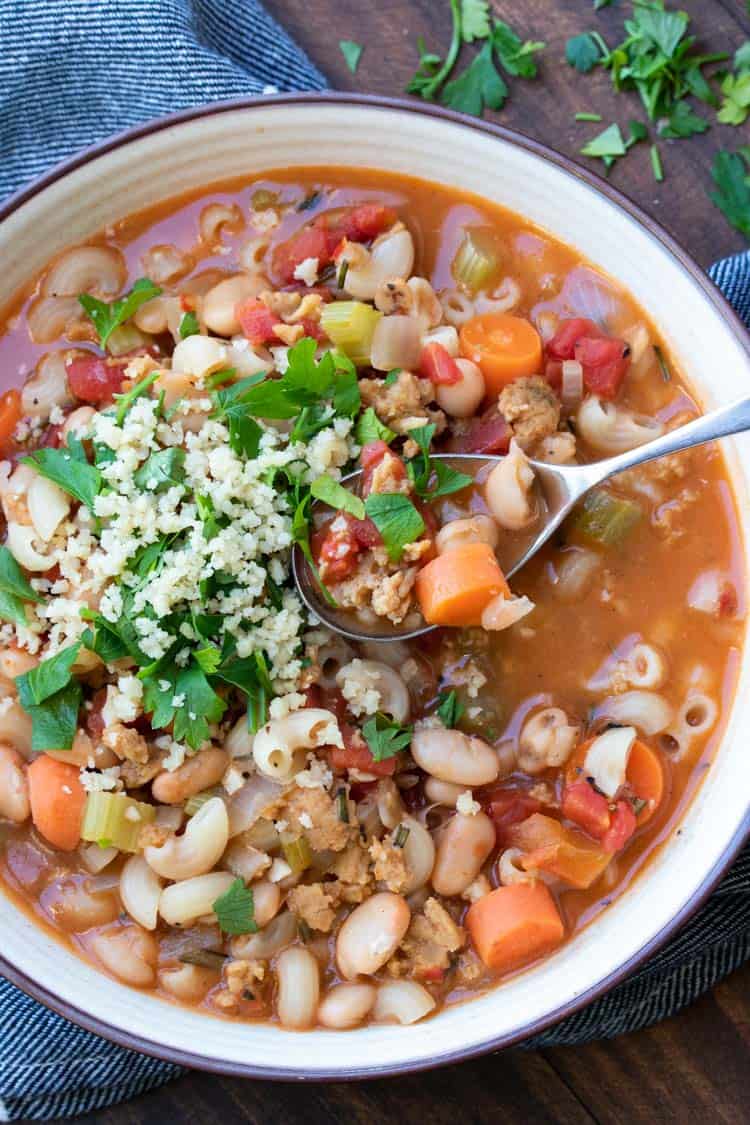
<point x="742" y="56"/>
<point x="384" y="737"/>
<point x="125" y="401"/>
<point x="208" y="659"/>
<point x="432" y="70"/>
<point x="189" y="325"/>
<point x="397" y="520"/>
<point x="14" y="590"/>
<point x="235" y="909"/>
<point x="201" y="706"/>
<point x="47" y="678"/>
<point x="161" y="470"/>
<point x="55" y="721"/>
<point x="422" y="469"/>
<point x="108" y="316"/>
<point x="249" y="674"/>
<point x="582" y="52"/>
<point x="370" y="428"/>
<point x="352" y="53"/>
<point x="231" y="405"/>
<point x="517" y="57"/>
<point x="475" y="20"/>
<point x="392" y="377"/>
<point x="68" y="468"/>
<point x="735" y="108"/>
<point x="683" y="121"/>
<point x="478" y="86"/>
<point x="328" y="490"/>
<point x="105" y="642"/>
<point x="450" y="708"/>
<point x="730" y="174"/>
<point x="346" y="397"/>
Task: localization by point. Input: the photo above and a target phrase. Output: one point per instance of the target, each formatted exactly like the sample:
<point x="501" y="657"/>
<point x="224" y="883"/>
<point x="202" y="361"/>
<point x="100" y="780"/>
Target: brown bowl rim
<point x="148" y="1046"/>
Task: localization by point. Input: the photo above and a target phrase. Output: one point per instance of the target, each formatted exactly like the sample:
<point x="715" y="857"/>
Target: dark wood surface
<point x="696" y="1066"/>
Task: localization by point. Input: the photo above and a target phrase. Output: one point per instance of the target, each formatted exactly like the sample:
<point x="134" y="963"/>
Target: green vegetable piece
<point x="298" y="854"/>
<point x="328" y="490"/>
<point x="656" y="164"/>
<point x="108" y="316"/>
<point x="450" y="708"/>
<point x="125" y="401"/>
<point x="432" y="70"/>
<point x="582" y="52"/>
<point x="15" y="589"/>
<point x="350" y="325"/>
<point x="593" y="117"/>
<point x="352" y="53"/>
<point x="55" y="721"/>
<point x="370" y="428"/>
<point x="605" y="519"/>
<point x="162" y="470"/>
<point x="683" y="121"/>
<point x="235" y="910"/>
<point x="397" y="520"/>
<point x="392" y="376"/>
<point x="475" y="20"/>
<point x="516" y="56"/>
<point x="479" y="86"/>
<point x="116" y="819"/>
<point x="477" y="260"/>
<point x="608" y="143"/>
<point x="49" y="677"/>
<point x="68" y="468"/>
<point x="384" y="737"/>
<point x="189" y="325"/>
<point x="732" y="197"/>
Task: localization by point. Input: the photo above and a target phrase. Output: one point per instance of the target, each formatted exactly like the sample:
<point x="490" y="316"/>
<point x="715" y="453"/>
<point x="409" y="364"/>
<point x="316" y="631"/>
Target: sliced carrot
<point x="10" y="415"/>
<point x="514" y="925"/>
<point x="505" y="348"/>
<point x="645" y="774"/>
<point x="550" y="846"/>
<point x="456" y="587"/>
<point x="57" y="799"/>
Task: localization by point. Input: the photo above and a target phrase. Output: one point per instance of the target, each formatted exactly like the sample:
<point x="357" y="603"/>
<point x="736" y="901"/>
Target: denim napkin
<point x="71" y="73"/>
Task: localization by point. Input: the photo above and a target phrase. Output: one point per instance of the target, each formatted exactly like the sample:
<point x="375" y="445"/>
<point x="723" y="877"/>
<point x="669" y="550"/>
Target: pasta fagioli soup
<point x="204" y="791"/>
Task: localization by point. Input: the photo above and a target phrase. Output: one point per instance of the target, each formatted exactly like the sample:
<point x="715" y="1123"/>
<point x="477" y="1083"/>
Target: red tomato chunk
<point x="438" y="366"/>
<point x="604" y="359"/>
<point x="488" y="434"/>
<point x="321" y="237"/>
<point x="93" y="379"/>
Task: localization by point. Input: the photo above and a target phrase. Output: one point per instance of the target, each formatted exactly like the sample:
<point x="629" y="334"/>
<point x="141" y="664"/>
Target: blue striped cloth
<point x="71" y="73"/>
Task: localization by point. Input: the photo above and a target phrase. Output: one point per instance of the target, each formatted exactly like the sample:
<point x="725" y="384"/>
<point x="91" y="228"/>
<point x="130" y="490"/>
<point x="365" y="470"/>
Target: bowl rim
<point x="656" y="232"/>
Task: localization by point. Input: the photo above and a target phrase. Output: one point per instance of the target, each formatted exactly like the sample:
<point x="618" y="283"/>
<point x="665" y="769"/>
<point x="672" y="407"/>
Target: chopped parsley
<point x="161" y="470"/>
<point x="731" y="174"/>
<point x="431" y="478"/>
<point x="68" y="467"/>
<point x="52" y="697"/>
<point x="370" y="428"/>
<point x="126" y="400"/>
<point x="107" y="316"/>
<point x="583" y="52"/>
<point x="328" y="490"/>
<point x="450" y="708"/>
<point x="352" y="53"/>
<point x="189" y="325"/>
<point x="397" y="520"/>
<point x="15" y="589"/>
<point x="235" y="909"/>
<point x="384" y="737"/>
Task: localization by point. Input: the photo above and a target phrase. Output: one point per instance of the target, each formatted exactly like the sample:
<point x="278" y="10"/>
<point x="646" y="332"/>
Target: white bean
<point x="15" y="728"/>
<point x="346" y="1005"/>
<point x="129" y="954"/>
<point x="392" y="255"/>
<point x="442" y="792"/>
<point x="266" y="902"/>
<point x="140" y="890"/>
<point x="450" y="755"/>
<point x="371" y="934"/>
<point x="298" y="976"/>
<point x="462" y="399"/>
<point x="402" y="1001"/>
<point x="77" y="909"/>
<point x="198" y="849"/>
<point x="509" y="490"/>
<point x="419" y="855"/>
<point x="78" y="421"/>
<point x="14" y="787"/>
<point x="200" y="355"/>
<point x="279" y="747"/>
<point x="463" y="846"/>
<point x="184" y="902"/>
<point x="48" y="506"/>
<point x="15" y="662"/>
<point x="473" y="529"/>
<point x="220" y="303"/>
<point x="188" y="983"/>
<point x="204" y="769"/>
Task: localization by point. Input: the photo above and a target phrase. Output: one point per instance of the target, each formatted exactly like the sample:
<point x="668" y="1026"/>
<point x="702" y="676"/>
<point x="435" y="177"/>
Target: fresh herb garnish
<point x="384" y="737"/>
<point x="189" y="325"/>
<point x="52" y="697"/>
<point x="161" y="470"/>
<point x="370" y="428"/>
<point x="126" y="400"/>
<point x="392" y="377"/>
<point x="450" y="708"/>
<point x="423" y="471"/>
<point x="665" y="372"/>
<point x="68" y="468"/>
<point x="15" y="589"/>
<point x="235" y="909"/>
<point x="583" y="52"/>
<point x="301" y="536"/>
<point x="683" y="121"/>
<point x="731" y="173"/>
<point x="110" y="315"/>
<point x="656" y="164"/>
<point x="477" y="87"/>
<point x="400" y="836"/>
<point x="342" y="805"/>
<point x="352" y="53"/>
<point x="735" y="107"/>
<point x="593" y="117"/>
<point x="328" y="490"/>
<point x="397" y="520"/>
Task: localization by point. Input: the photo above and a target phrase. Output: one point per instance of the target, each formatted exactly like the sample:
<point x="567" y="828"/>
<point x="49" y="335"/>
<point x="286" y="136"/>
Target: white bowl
<point x="195" y="148"/>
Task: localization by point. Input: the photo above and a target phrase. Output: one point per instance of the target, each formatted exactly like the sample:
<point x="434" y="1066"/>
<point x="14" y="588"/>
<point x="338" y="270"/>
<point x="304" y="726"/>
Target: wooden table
<point x="696" y="1066"/>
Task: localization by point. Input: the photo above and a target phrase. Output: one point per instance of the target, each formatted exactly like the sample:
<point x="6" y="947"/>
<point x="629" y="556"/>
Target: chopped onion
<point x="587" y="293"/>
<point x="249" y="802"/>
<point x="96" y="858"/>
<point x="99" y="884"/>
<point x="181" y="942"/>
<point x="607" y="759"/>
<point x="503" y="612"/>
<point x="572" y="383"/>
<point x="706" y="592"/>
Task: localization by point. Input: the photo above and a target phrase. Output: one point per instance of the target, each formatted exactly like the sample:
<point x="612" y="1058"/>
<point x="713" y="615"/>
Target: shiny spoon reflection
<point x="561" y="487"/>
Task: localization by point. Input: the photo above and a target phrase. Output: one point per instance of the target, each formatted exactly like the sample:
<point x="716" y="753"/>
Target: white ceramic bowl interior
<point x="248" y="140"/>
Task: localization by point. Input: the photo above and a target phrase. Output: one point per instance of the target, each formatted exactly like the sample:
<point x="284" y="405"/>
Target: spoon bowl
<point x="561" y="487"/>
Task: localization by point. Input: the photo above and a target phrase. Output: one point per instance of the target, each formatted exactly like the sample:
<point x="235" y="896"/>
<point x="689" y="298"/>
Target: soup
<point x="208" y="794"/>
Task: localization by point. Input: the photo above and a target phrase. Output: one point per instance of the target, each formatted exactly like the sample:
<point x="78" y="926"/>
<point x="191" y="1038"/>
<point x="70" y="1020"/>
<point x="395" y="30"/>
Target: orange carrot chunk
<point x="504" y="347"/>
<point x="57" y="799"/>
<point x="645" y="776"/>
<point x="456" y="587"/>
<point x="514" y="925"/>
<point x="10" y="415"/>
<point x="550" y="846"/>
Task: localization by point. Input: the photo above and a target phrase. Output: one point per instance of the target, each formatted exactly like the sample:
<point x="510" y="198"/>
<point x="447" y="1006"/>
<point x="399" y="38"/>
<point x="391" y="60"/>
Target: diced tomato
<point x="563" y="343"/>
<point x="257" y="322"/>
<point x="506" y="807"/>
<point x="336" y="551"/>
<point x="622" y="826"/>
<point x="94" y="718"/>
<point x="437" y="365"/>
<point x="605" y="362"/>
<point x="312" y="328"/>
<point x="94" y="379"/>
<point x="373" y="453"/>
<point x="365" y="532"/>
<point x="489" y="433"/>
<point x="371" y="456"/>
<point x="356" y="755"/>
<point x="321" y="237"/>
<point x="585" y="807"/>
<point x="51" y="438"/>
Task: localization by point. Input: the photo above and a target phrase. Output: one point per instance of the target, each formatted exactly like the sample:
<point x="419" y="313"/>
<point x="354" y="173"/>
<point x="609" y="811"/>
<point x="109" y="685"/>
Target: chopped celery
<point x="606" y="520"/>
<point x="476" y="260"/>
<point x="350" y="326"/>
<point x="297" y="854"/>
<point x="114" y="820"/>
<point x="198" y="800"/>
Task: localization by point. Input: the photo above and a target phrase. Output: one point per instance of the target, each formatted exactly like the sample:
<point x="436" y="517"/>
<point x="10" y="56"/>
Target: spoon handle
<point x="731" y="419"/>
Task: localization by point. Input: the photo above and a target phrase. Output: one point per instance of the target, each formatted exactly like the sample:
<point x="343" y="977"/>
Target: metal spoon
<point x="562" y="486"/>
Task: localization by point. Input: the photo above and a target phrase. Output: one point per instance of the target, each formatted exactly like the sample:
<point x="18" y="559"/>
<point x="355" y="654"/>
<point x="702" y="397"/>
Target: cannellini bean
<point x="462" y="399"/>
<point x="15" y="662"/>
<point x="280" y="932"/>
<point x="198" y="849"/>
<point x="14" y="787"/>
<point x="206" y="768"/>
<point x="371" y="934"/>
<point x="574" y="570"/>
<point x="646" y="710"/>
<point x="78" y="421"/>
<point x="77" y="909"/>
<point x="298" y="977"/>
<point x="346" y="1005"/>
<point x="463" y="846"/>
<point x="442" y="792"/>
<point x="361" y="676"/>
<point x="452" y="756"/>
<point x="129" y="954"/>
<point x="389" y="804"/>
<point x="15" y="729"/>
<point x="249" y="359"/>
<point x="188" y="983"/>
<point x="266" y="902"/>
<point x="609" y="428"/>
<point x="200" y="355"/>
<point x="86" y="269"/>
<point x="185" y="901"/>
<point x="402" y="1001"/>
<point x="391" y="255"/>
<point x="218" y="310"/>
<point x="140" y="890"/>
<point x="20" y="543"/>
<point x="48" y="506"/>
<point x="473" y="529"/>
<point x="509" y="870"/>
<point x="279" y="747"/>
<point x="419" y="855"/>
<point x="396" y="342"/>
<point x="547" y="740"/>
<point x="47" y="387"/>
<point x="509" y="490"/>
